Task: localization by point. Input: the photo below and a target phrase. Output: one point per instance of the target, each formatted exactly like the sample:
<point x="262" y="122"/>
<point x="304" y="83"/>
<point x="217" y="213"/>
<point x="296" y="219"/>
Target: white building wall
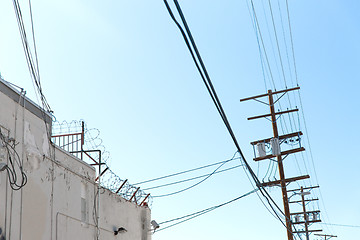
<point x="59" y="201"/>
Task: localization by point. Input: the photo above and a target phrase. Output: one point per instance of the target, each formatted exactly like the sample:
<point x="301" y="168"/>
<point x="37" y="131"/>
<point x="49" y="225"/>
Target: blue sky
<point x="124" y="68"/>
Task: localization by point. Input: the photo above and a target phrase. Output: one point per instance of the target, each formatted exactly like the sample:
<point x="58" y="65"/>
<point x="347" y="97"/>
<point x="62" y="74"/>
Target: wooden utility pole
<point x="281" y="168"/>
<point x="278" y="154"/>
<point x="305" y="214"/>
<point x="309" y="217"/>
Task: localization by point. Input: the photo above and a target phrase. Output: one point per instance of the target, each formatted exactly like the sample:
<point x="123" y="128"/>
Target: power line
<point x="280" y="58"/>
<point x="190" y="179"/>
<point x="301" y="105"/>
<point x="292" y="42"/>
<point x="257" y="30"/>
<point x="262" y="43"/>
<point x="186" y="171"/>
<point x="33" y="66"/>
<point x="34" y="42"/>
<point x="263" y="66"/>
<point x="296" y="76"/>
<point x="194" y="185"/>
<point x="270" y="37"/>
<point x="192" y="55"/>
<point x="255" y="18"/>
<point x="217" y="102"/>
<point x="279" y="54"/>
<point x="199" y="213"/>
<point x="286" y="45"/>
<point x="277" y="43"/>
<point x="340" y="225"/>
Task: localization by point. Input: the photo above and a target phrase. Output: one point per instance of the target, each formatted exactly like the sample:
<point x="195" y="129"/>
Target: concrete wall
<point x="60" y="199"/>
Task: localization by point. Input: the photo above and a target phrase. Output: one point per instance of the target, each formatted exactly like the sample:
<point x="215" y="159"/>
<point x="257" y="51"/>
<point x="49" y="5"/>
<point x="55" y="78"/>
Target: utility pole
<point x="276" y="152"/>
<point x="305" y="217"/>
<point x="302" y="194"/>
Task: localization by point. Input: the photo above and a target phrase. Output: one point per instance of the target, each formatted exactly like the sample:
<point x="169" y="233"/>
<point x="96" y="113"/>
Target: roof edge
<point x="14" y="94"/>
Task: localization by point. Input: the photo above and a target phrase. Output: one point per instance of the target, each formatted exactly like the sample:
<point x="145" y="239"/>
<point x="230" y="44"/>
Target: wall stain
<point x="2" y="237"/>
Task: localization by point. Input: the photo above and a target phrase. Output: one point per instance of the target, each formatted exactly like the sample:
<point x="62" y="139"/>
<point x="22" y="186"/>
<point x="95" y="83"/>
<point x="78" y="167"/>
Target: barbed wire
<point x="92" y="141"/>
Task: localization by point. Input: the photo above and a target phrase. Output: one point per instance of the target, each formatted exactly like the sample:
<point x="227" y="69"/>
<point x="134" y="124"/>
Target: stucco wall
<point x="59" y="201"/>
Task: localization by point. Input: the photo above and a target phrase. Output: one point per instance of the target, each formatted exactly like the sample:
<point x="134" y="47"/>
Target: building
<point x="48" y="193"/>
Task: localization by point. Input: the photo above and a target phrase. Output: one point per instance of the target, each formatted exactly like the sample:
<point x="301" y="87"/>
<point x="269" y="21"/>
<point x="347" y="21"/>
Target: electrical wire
<point x="296" y="76"/>
<point x="340" y="225"/>
<point x="199" y="213"/>
<point x="301" y="105"/>
<point x="256" y="23"/>
<point x="277" y="44"/>
<point x="193" y="57"/>
<point x="287" y="52"/>
<point x="186" y="171"/>
<point x="292" y="43"/>
<point x="34" y="42"/>
<point x="15" y="183"/>
<point x="190" y="179"/>
<point x="271" y="40"/>
<point x="257" y="31"/>
<point x="32" y="65"/>
<point x="285" y="43"/>
<point x="196" y="184"/>
<point x="281" y="61"/>
<point x="218" y="105"/>
<point x="281" y="120"/>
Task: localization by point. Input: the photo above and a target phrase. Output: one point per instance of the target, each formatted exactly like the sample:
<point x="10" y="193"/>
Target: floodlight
<point x="155" y="224"/>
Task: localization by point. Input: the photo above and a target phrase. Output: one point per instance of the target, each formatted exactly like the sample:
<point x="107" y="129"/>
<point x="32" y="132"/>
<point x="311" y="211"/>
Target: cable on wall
<point x="14" y="163"/>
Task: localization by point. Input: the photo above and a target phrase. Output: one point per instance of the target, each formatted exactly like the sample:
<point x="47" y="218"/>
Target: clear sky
<point x="123" y="67"/>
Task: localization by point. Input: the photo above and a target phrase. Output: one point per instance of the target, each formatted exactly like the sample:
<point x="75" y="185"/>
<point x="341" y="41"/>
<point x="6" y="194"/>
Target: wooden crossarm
<point x="295" y="134"/>
<point x="308" y="231"/>
<point x="298" y="213"/>
<point x="307" y="200"/>
<point x="305" y="188"/>
<point x="282" y="153"/>
<point x="325" y="235"/>
<point x="287" y="180"/>
<point x="313" y="221"/>
<point x="266" y="94"/>
<point x="269" y="115"/>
